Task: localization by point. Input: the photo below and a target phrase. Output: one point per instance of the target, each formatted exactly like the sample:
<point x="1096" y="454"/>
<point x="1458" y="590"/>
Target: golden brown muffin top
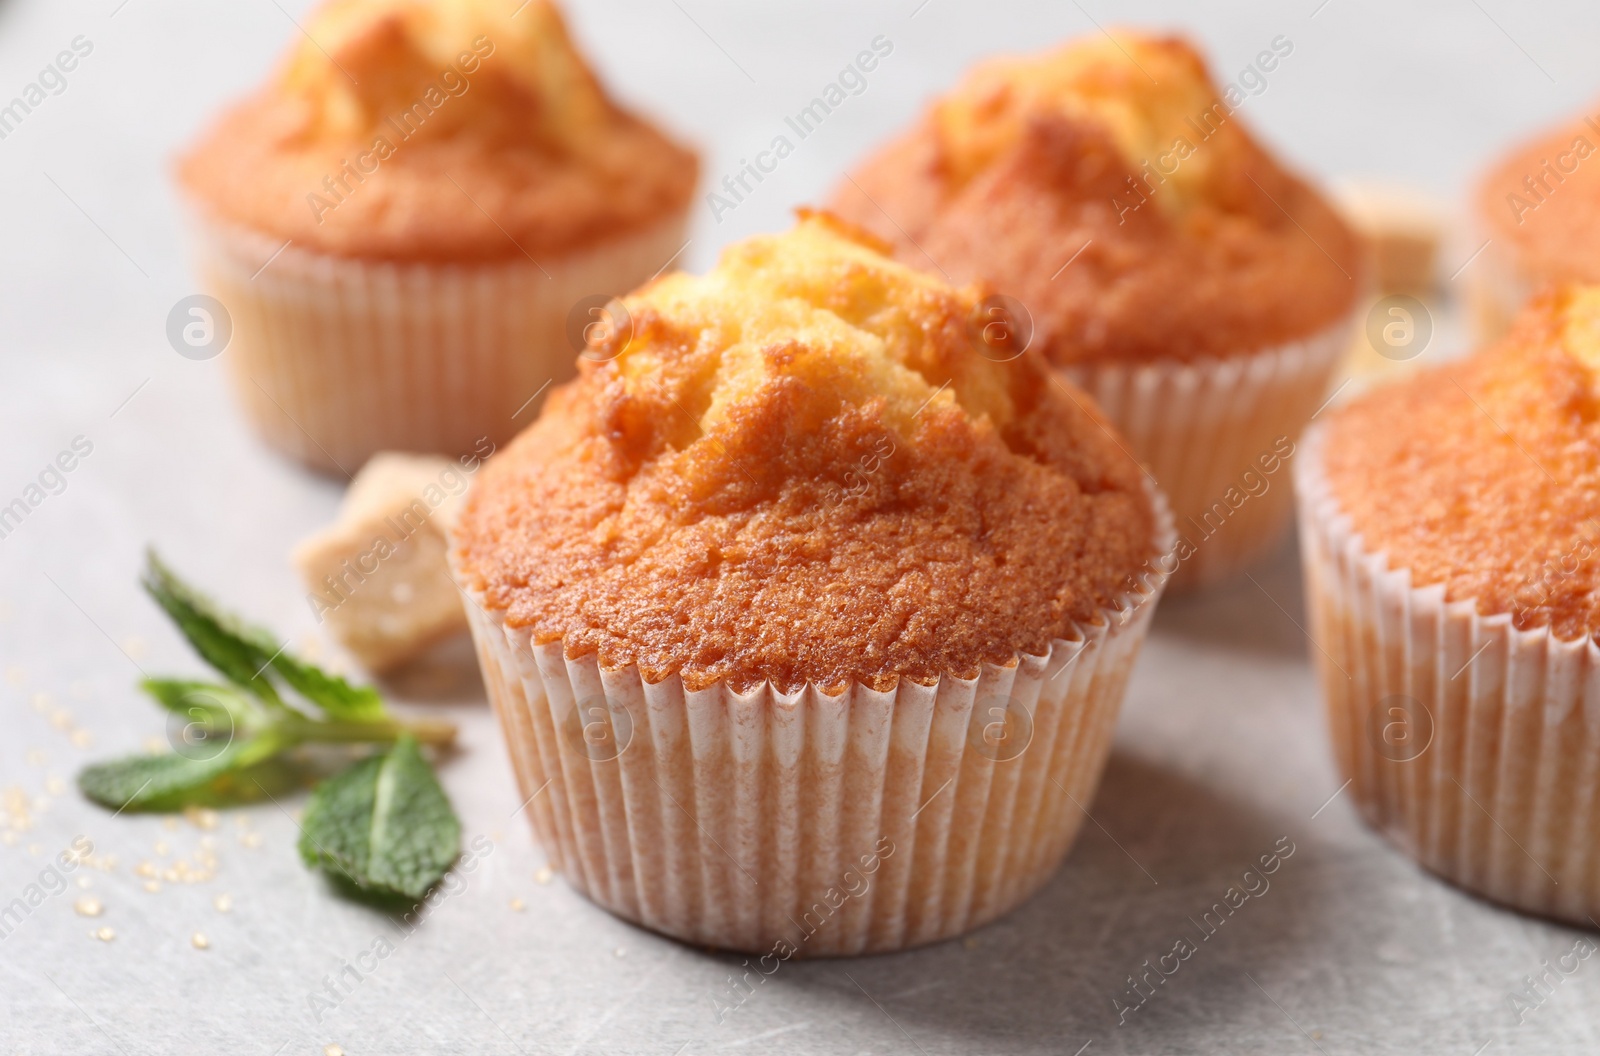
<point x="1543" y="202"/>
<point x="797" y="468"/>
<point x="437" y="130"/>
<point x="1185" y="239"/>
<point x="1485" y="475"/>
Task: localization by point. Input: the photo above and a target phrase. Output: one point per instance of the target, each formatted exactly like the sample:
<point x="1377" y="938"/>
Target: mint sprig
<point x="385" y="824"/>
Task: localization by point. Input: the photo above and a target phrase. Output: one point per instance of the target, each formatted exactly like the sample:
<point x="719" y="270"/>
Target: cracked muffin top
<point x="437" y="130"/>
<point x="1113" y="189"/>
<point x="1485" y="475"/>
<point x="800" y="468"/>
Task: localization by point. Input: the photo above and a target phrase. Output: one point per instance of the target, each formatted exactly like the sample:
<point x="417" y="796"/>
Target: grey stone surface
<point x="1219" y="755"/>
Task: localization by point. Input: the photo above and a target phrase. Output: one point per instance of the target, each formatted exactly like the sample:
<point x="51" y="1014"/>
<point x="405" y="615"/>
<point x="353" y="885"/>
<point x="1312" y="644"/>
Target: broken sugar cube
<point x="377" y="576"/>
<point x="1403" y="227"/>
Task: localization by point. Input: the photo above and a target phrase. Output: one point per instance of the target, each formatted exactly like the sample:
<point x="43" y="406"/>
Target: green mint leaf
<point x="337" y="698"/>
<point x="166" y="782"/>
<point x="187" y="697"/>
<point x="384" y="825"/>
<point x="244" y="654"/>
<point x="205" y="717"/>
<point x="239" y="653"/>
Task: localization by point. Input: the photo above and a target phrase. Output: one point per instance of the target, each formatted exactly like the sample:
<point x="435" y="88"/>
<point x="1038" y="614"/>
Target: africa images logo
<point x="851" y="81"/>
<point x="51" y="79"/>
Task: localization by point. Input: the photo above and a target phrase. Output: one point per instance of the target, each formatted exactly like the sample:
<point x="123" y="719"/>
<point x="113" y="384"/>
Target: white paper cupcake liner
<point x="1498" y="287"/>
<point x="335" y="359"/>
<point x="1472" y="745"/>
<point x="804" y="824"/>
<point x="1202" y="427"/>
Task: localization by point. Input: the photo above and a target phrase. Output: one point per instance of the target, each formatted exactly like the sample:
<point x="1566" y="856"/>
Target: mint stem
<point x="427" y="731"/>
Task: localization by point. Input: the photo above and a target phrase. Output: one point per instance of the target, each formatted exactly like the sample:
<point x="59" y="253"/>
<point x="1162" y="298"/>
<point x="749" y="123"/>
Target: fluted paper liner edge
<point x="1499" y="283"/>
<point x="334" y="359"/>
<point x="1201" y="425"/>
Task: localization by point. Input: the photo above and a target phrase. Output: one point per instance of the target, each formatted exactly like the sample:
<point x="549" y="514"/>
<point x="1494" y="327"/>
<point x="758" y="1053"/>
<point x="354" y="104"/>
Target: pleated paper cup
<point x="334" y="359"/>
<point x="804" y="823"/>
<point x="1498" y="288"/>
<point x="1470" y="744"/>
<point x="1201" y="427"/>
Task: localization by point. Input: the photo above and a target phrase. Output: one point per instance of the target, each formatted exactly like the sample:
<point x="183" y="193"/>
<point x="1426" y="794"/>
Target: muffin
<point x="806" y="624"/>
<point x="1451" y="533"/>
<point x="1538" y="223"/>
<point x="407" y="223"/>
<point x="1149" y="250"/>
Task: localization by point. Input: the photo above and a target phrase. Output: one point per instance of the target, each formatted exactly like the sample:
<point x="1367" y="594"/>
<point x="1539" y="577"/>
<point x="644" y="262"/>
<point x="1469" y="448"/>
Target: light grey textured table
<point x="1219" y="755"/>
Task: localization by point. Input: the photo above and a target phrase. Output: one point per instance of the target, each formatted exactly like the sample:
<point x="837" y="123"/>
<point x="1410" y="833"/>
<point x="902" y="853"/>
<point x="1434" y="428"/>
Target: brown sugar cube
<point x="1403" y="229"/>
<point x="377" y="576"/>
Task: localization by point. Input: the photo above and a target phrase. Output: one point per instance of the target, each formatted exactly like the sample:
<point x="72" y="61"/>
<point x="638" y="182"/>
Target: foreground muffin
<point x="403" y="222"/>
<point x="1159" y="256"/>
<point x="814" y="621"/>
<point x="1451" y="531"/>
<point x="1538" y="218"/>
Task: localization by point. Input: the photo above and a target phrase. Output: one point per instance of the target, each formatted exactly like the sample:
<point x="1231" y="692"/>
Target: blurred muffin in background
<point x="815" y="622"/>
<point x="1450" y="526"/>
<point x="408" y="220"/>
<point x="1149" y="249"/>
<point x="1538" y="219"/>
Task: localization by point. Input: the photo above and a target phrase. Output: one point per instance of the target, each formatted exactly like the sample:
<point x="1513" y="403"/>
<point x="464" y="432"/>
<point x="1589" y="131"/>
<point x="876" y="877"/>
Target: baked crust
<point x="1485" y="475"/>
<point x="797" y="469"/>
<point x="1034" y="162"/>
<point x="446" y="131"/>
<point x="1548" y="217"/>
